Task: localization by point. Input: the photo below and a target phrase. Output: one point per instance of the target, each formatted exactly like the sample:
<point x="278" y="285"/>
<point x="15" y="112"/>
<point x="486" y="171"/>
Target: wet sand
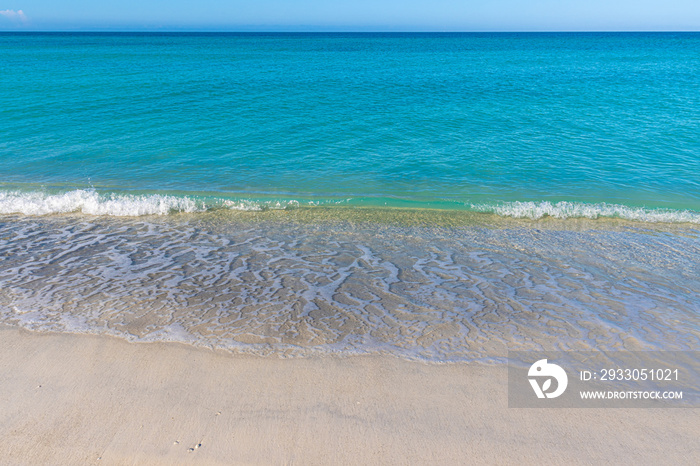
<point x="81" y="399"/>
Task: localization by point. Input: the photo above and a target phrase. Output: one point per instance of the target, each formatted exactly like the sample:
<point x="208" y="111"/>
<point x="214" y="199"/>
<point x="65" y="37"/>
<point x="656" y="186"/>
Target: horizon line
<point x="348" y="31"/>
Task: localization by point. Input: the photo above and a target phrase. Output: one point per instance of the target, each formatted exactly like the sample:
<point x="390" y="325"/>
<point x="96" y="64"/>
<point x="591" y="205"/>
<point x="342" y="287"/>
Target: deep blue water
<point x="522" y="124"/>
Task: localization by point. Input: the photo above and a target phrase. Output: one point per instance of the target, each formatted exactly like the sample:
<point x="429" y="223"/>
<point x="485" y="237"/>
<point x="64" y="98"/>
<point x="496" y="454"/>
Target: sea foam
<point x="93" y="203"/>
<point x="564" y="210"/>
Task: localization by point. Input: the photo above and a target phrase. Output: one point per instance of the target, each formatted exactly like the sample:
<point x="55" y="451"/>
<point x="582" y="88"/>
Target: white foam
<point x="249" y="205"/>
<point x="129" y="205"/>
<point x="92" y="203"/>
<point x="564" y="209"/>
<point x="126" y="205"/>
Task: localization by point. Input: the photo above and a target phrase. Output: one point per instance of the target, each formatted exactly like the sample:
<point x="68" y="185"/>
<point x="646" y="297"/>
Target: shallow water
<point x="435" y="286"/>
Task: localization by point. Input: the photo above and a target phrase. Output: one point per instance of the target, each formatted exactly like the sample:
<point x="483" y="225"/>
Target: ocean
<point x="440" y="197"/>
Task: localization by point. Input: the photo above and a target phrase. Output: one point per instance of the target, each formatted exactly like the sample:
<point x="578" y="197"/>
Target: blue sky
<point x="358" y="15"/>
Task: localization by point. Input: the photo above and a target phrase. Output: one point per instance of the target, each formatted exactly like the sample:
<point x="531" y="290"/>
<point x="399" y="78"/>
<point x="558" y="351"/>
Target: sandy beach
<point x="81" y="399"/>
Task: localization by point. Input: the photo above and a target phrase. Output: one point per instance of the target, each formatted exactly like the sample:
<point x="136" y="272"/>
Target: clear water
<point x="531" y="124"/>
<point x="297" y="194"/>
<point x="427" y="286"/>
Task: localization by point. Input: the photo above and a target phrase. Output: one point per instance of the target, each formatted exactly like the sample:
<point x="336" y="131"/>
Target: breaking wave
<point x="90" y="202"/>
<point x="564" y="210"/>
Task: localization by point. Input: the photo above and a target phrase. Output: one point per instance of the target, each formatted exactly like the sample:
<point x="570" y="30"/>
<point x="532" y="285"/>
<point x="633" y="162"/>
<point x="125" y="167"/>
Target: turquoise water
<point x="521" y="124"/>
<point x="153" y="187"/>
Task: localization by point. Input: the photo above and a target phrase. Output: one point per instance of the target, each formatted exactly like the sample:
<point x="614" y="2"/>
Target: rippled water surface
<point x="431" y="286"/>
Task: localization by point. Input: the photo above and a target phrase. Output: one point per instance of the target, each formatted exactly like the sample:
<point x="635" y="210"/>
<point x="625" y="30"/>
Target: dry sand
<point x="77" y="399"/>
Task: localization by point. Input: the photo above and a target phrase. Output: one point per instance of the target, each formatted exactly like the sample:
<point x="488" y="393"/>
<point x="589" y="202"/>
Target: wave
<point x="565" y="210"/>
<point x="90" y="202"/>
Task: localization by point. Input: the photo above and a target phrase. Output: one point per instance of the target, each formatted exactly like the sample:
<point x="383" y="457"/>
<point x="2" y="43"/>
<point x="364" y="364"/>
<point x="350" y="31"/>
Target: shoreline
<point x="418" y="292"/>
<point x="100" y="400"/>
<point x="367" y="218"/>
<point x="127" y="204"/>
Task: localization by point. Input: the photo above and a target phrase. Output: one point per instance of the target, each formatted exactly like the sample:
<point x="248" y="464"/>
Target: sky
<point x="351" y="15"/>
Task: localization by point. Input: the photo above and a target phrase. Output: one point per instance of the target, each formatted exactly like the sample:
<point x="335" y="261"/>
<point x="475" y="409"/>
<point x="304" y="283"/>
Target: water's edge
<point x="91" y="202"/>
<point x="421" y="285"/>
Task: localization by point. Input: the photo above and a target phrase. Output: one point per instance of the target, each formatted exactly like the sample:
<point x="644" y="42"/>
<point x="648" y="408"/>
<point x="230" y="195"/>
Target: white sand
<point x="70" y="399"/>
